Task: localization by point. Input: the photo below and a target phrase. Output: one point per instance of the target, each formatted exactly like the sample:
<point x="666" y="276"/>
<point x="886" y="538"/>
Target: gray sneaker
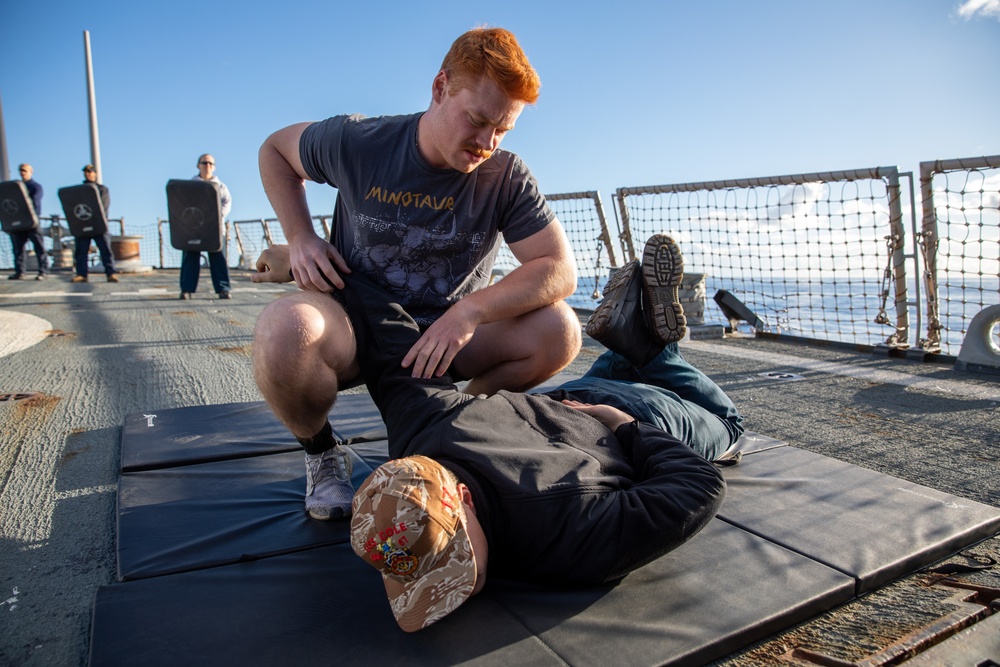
<point x="328" y="484"/>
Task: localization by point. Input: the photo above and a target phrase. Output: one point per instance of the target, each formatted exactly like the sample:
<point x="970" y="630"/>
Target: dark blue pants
<point x="20" y="239"/>
<point x="191" y="268"/>
<point x="668" y="392"/>
<point x="103" y="244"/>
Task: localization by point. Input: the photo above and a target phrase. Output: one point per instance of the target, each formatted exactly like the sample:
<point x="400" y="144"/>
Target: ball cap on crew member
<point x="408" y="522"/>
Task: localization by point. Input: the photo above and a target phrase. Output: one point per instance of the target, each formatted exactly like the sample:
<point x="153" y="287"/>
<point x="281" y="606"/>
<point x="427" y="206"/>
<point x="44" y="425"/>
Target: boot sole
<point x="613" y="293"/>
<point x="662" y="272"/>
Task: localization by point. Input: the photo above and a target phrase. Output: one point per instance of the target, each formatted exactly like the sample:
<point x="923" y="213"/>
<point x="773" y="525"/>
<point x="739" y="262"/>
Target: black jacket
<point x="561" y="498"/>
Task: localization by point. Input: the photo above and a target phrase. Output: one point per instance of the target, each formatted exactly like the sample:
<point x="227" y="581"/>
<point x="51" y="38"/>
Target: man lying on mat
<point x="576" y="486"/>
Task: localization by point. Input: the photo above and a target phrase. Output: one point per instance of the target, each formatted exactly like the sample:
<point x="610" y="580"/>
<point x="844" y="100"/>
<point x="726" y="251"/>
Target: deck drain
<point x="19" y="396"/>
<point x="786" y="377"/>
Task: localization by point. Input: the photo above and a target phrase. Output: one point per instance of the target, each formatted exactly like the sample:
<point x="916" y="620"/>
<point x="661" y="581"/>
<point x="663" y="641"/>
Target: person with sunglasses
<point x="191" y="261"/>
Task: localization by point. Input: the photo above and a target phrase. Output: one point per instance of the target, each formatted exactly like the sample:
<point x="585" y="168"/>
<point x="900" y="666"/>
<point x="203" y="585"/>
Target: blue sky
<point x="633" y="93"/>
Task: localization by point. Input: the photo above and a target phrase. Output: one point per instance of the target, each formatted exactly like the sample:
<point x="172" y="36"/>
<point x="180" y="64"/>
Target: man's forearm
<point x="533" y="285"/>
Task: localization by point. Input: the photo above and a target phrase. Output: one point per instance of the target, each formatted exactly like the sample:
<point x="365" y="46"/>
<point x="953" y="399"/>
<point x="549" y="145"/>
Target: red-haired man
<point x="423" y="201"/>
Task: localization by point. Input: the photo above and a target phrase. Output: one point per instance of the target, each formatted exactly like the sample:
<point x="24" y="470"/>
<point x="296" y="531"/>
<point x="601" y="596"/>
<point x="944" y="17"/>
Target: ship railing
<point x="832" y="256"/>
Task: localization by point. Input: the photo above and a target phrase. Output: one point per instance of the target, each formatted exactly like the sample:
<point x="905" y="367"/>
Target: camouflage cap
<point x="408" y="522"/>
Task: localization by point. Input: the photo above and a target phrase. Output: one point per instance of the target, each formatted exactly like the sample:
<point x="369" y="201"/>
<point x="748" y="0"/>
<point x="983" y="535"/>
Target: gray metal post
<point x="95" y="143"/>
<point x="4" y="164"/>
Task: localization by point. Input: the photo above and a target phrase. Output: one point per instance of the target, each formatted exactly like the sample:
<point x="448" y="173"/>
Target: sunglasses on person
<point x="211" y="164"/>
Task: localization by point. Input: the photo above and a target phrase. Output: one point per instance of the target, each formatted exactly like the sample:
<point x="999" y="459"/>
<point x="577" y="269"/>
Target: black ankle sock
<point x="320" y="442"/>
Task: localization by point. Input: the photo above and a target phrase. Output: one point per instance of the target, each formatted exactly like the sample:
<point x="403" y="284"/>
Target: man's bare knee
<point x="303" y="334"/>
<point x="303" y="346"/>
<point x="559" y="338"/>
<point x="287" y="332"/>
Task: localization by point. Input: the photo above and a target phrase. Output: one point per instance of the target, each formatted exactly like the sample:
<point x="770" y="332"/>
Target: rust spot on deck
<point x="235" y="349"/>
<point x="17" y="396"/>
<point x="35" y="404"/>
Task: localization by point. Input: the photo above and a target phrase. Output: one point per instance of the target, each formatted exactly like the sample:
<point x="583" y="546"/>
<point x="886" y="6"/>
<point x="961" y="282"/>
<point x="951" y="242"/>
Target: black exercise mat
<point x="318" y="607"/>
<point x="751" y="443"/>
<point x="210" y="514"/>
<point x="325" y="606"/>
<point x="181" y="436"/>
<point x="204" y="547"/>
<point x="198" y="434"/>
<point x="871" y="526"/>
<point x="715" y="594"/>
<point x="235" y="490"/>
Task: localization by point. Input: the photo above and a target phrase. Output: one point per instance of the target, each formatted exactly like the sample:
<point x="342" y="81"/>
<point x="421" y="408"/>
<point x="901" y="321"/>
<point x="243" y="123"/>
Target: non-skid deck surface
<point x="219" y="564"/>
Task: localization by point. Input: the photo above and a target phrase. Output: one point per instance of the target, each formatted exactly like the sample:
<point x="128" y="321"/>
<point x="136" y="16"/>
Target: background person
<point x="20" y="239"/>
<point x="103" y="242"/>
<point x="191" y="261"/>
<point x="422" y="201"/>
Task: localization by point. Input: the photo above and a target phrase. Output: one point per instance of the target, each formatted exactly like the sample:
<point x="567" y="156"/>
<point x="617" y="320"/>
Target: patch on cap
<point x="408" y="523"/>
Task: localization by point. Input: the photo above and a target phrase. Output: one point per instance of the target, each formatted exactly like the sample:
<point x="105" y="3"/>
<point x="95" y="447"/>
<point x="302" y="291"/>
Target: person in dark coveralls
<point x="20" y="239"/>
<point x="576" y="486"/>
<point x="103" y="242"/>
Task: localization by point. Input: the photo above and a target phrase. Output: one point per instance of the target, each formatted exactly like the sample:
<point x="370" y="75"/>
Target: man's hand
<point x="277" y="265"/>
<point x="315" y="264"/>
<point x="433" y="353"/>
<point x="273" y="266"/>
<point x="608" y="415"/>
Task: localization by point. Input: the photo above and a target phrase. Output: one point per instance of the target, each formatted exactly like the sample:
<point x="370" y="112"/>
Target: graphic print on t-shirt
<point x="416" y="254"/>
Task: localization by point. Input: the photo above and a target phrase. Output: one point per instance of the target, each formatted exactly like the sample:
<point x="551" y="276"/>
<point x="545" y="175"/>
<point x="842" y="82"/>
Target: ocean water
<point x="838" y="310"/>
<point x="834" y="309"/>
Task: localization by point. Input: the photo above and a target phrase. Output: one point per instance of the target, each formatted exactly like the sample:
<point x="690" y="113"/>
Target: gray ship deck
<point x="98" y="352"/>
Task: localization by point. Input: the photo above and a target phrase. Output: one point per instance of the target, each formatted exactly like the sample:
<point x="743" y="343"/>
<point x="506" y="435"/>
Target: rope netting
<point x="582" y="216"/>
<point x="812" y="255"/>
<point x="960" y="244"/>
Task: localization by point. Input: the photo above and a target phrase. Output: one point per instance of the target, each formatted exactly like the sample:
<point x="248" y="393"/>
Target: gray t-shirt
<point x="427" y="235"/>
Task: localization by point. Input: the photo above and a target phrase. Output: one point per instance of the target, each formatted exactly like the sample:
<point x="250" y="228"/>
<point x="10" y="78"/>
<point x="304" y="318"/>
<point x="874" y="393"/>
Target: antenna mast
<point x="95" y="142"/>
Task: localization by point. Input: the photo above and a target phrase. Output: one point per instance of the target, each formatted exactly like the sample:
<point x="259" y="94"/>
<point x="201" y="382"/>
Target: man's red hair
<point x="494" y="53"/>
